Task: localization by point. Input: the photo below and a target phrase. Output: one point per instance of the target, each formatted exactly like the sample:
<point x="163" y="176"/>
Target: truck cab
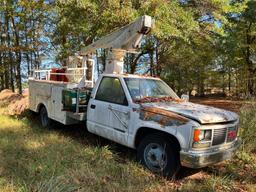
<point x="144" y="113"/>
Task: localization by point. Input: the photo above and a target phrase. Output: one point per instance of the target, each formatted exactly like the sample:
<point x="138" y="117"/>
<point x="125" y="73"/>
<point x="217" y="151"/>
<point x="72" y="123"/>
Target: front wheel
<point x="158" y="154"/>
<point x="45" y="120"/>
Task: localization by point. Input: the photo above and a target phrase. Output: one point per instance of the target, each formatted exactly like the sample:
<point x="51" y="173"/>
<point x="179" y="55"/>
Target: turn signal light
<point x="196" y="135"/>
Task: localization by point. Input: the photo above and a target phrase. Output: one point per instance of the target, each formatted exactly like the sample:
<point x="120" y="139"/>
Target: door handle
<point x="93" y="106"/>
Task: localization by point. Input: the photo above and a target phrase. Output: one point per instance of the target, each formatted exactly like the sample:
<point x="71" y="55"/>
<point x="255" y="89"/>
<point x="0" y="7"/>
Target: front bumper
<point x="199" y="159"/>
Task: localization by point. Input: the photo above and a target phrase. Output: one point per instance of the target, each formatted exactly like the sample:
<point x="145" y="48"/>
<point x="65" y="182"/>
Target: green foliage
<point x="213" y="55"/>
<point x="195" y="45"/>
<point x="248" y="127"/>
<point x="240" y="44"/>
<point x="171" y="19"/>
<point x="81" y="22"/>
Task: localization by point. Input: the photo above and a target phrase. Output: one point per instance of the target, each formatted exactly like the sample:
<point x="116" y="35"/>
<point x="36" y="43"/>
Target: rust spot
<point x="166" y="113"/>
<point x="160" y="99"/>
<point x="161" y="116"/>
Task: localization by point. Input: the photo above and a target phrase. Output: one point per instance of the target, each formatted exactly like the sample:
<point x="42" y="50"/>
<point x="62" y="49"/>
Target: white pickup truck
<point x="140" y="112"/>
<point x="144" y="113"/>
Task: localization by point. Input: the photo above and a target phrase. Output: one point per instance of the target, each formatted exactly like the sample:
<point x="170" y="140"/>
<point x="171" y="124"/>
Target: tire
<point x="46" y="122"/>
<point x="159" y="154"/>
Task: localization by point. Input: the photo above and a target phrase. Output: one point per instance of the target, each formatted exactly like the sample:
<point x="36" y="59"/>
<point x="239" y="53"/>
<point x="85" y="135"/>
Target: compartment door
<point x="56" y="103"/>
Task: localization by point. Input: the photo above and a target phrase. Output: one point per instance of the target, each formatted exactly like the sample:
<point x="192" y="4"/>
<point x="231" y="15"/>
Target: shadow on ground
<point x="124" y="154"/>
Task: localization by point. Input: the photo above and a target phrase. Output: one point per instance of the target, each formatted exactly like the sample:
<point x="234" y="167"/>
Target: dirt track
<point x="232" y="105"/>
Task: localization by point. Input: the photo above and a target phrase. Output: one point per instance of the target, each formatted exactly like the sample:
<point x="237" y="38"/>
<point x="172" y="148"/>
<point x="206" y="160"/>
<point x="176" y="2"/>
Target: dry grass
<point x="33" y="159"/>
<point x="71" y="159"/>
<point x="19" y="107"/>
<point x="7" y="97"/>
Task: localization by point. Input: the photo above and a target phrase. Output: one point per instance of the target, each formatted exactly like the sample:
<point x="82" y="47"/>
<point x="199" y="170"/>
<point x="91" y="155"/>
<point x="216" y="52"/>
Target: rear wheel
<point x="45" y="120"/>
<point x="158" y="154"/>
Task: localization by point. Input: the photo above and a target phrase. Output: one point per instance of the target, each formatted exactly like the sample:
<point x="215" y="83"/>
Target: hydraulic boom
<point x="125" y="39"/>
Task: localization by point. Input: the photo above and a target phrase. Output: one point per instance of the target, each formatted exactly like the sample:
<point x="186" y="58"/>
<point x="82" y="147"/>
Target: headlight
<point x="202" y="138"/>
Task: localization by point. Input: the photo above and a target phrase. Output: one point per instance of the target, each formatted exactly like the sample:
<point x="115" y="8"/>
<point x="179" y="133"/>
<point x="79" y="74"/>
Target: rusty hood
<point x="201" y="113"/>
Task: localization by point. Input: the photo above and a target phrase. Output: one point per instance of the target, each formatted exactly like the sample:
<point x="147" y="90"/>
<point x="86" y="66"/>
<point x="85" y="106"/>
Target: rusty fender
<point x="162" y="117"/>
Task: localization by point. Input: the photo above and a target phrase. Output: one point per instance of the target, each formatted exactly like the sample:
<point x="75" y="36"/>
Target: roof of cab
<point x="130" y="76"/>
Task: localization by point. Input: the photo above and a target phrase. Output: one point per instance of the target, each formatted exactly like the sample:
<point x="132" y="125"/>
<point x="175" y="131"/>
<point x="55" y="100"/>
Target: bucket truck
<point x="140" y="112"/>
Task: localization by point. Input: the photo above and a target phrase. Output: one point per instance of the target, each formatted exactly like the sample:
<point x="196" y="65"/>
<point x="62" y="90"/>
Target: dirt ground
<point x="17" y="104"/>
<point x="223" y="103"/>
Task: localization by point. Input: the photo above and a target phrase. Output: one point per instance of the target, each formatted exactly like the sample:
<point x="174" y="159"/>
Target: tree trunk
<point x="201" y="85"/>
<point x="152" y="71"/>
<point x="229" y="79"/>
<point x="18" y="78"/>
<point x="10" y="55"/>
<point x="18" y="57"/>
<point x="135" y="62"/>
<point x="1" y="82"/>
<point x="250" y="80"/>
<point x="27" y="52"/>
<point x="249" y="63"/>
<point x="223" y="83"/>
<point x="1" y="76"/>
<point x="158" y="67"/>
<point x="6" y="77"/>
<point x="104" y="59"/>
<point x="97" y="63"/>
<point x="251" y="72"/>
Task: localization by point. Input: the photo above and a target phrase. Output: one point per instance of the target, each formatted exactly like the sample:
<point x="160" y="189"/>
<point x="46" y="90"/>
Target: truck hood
<point x="201" y="113"/>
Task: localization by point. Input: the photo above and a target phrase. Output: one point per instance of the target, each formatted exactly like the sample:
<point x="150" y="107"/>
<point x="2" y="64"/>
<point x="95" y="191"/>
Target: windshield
<point x="149" y="90"/>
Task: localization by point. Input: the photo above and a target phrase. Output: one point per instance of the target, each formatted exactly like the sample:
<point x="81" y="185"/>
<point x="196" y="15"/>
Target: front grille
<point x="219" y="136"/>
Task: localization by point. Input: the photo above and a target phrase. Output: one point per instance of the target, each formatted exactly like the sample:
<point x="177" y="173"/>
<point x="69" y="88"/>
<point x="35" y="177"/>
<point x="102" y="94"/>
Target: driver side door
<point x="108" y="111"/>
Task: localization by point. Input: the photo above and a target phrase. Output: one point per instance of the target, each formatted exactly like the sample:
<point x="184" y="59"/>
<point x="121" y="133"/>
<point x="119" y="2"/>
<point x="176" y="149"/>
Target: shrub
<point x="248" y="127"/>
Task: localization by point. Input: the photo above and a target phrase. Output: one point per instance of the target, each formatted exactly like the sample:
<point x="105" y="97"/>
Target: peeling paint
<point x="201" y="113"/>
<point x="158" y="99"/>
<point x="162" y="117"/>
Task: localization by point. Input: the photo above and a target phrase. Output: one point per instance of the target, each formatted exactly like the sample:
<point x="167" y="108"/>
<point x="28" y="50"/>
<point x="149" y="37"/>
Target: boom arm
<point x="125" y="39"/>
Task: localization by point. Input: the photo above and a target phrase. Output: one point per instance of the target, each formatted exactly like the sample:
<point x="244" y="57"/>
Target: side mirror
<point x="185" y="97"/>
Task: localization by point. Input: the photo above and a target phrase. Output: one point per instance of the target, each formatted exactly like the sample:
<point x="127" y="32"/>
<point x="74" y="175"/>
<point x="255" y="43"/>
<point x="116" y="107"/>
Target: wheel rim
<point x="155" y="157"/>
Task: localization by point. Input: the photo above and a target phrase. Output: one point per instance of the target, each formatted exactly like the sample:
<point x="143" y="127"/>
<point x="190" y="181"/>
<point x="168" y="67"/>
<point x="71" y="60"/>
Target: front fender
<point x="170" y="130"/>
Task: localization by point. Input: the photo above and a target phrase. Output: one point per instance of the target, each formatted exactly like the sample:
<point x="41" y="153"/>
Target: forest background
<point x="208" y="46"/>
